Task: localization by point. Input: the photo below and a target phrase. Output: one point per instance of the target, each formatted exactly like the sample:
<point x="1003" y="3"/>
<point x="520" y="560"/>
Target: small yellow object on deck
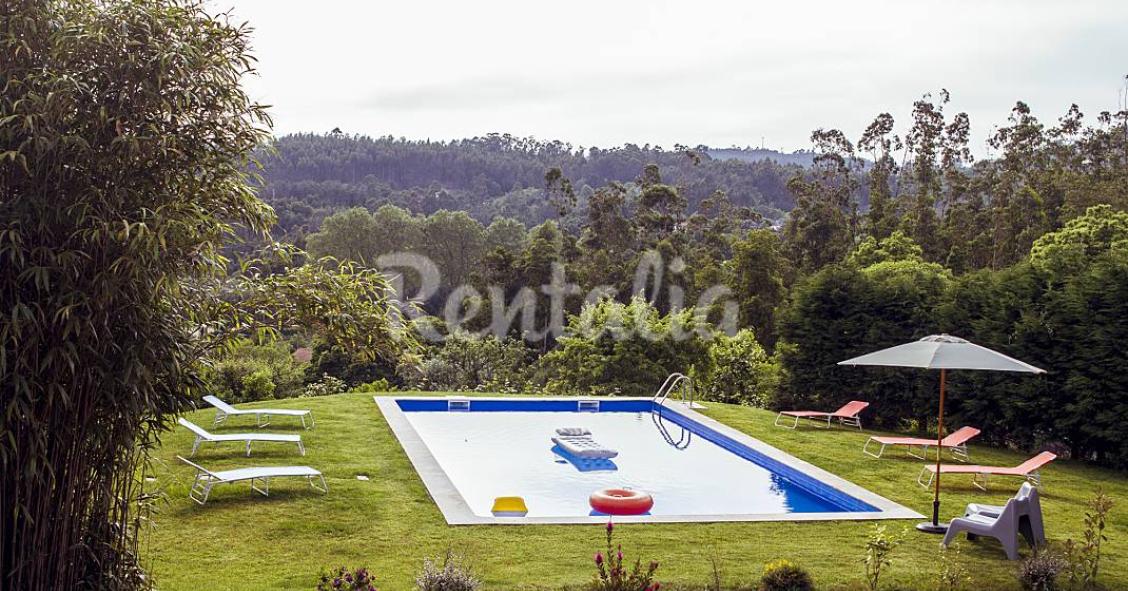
<point x="509" y="507"/>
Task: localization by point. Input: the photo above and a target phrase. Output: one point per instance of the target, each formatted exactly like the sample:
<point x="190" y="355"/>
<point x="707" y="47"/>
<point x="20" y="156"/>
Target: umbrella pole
<point x="935" y="527"/>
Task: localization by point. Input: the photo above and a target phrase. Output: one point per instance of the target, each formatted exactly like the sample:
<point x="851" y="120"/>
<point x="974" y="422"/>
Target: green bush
<point x="256" y="372"/>
<point x="845" y="311"/>
<point x="784" y="575"/>
<point x="740" y="371"/>
<point x="1062" y="310"/>
<point x="613" y="348"/>
<point x="467" y="362"/>
<point x="258" y="385"/>
<point x="380" y="385"/>
<point x="341" y="364"/>
<point x="326" y="386"/>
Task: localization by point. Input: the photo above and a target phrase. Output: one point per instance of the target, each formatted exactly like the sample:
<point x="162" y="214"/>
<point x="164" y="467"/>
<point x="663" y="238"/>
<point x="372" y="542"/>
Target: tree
<point x="880" y="141"/>
<point x="757" y="275"/>
<point x="661" y="207"/>
<point x="349" y="235"/>
<point x="124" y="151"/>
<point x="823" y="226"/>
<point x="896" y="247"/>
<point x="1068" y="250"/>
<point x="625" y="349"/>
<point x="507" y="234"/>
<point x="938" y="149"/>
<point x="455" y="242"/>
<point x="740" y="371"/>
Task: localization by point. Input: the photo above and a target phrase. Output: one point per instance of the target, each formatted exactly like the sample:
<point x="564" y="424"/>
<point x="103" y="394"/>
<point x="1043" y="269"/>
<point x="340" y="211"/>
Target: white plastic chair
<point x="1030" y="523"/>
<point x="217" y="438"/>
<point x="1004" y="528"/>
<point x="206" y="479"/>
<point x="224" y="410"/>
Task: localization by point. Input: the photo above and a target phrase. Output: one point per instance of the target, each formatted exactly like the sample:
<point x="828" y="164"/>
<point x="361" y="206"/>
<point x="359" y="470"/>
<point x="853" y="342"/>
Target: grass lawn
<point x="241" y="540"/>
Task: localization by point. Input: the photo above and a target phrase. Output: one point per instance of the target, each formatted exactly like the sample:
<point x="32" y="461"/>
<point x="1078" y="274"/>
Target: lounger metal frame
<point x="828" y="418"/>
<point x="204" y="437"/>
<point x="206" y="479"/>
<point x="959" y="452"/>
<point x="222" y="415"/>
<point x="979" y="479"/>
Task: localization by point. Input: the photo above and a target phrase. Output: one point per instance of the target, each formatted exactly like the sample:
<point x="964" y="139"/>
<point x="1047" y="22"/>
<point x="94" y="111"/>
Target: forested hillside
<point x="308" y="176"/>
<point x="888" y="237"/>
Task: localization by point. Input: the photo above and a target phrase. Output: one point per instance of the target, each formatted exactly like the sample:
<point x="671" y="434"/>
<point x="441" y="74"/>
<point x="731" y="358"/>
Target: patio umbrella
<point x="941" y="352"/>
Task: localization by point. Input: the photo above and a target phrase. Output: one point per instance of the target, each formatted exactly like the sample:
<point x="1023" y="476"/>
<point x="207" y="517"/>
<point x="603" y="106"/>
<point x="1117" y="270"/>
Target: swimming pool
<point x="470" y="451"/>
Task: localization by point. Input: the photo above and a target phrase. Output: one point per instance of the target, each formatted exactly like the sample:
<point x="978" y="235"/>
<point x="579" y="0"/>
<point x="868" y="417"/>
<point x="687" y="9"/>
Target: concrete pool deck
<point x="456" y="511"/>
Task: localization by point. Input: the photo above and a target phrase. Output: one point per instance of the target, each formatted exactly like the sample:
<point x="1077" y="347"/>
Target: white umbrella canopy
<point x="942" y="352"/>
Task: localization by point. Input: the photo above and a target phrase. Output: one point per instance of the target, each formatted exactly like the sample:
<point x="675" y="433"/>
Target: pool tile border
<point x="457" y="512"/>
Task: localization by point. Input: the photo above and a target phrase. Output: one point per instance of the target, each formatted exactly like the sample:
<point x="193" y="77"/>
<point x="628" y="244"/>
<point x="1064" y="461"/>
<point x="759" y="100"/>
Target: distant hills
<point x="801" y="157"/>
<point x="309" y="176"/>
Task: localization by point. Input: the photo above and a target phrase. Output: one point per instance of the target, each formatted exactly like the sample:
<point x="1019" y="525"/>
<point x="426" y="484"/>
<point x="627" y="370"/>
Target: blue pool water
<point x="503" y="448"/>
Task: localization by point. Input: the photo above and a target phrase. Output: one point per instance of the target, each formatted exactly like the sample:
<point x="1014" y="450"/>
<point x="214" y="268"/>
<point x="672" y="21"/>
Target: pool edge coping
<point x="456" y="511"/>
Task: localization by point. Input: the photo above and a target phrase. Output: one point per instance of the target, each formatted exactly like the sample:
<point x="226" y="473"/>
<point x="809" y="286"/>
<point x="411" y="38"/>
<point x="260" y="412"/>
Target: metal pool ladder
<point x="679" y="381"/>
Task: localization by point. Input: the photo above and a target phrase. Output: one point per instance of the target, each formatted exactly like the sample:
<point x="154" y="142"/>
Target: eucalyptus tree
<point x="125" y="138"/>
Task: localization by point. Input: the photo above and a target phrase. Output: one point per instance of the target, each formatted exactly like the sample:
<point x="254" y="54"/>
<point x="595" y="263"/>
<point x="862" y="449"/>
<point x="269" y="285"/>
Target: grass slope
<point x="242" y="540"/>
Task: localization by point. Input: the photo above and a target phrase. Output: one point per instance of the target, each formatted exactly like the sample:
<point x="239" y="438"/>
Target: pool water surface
<point x="692" y="467"/>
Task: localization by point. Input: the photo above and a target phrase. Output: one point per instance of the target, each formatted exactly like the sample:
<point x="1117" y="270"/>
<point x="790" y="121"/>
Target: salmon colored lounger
<point x="955" y="441"/>
<point x="847" y="415"/>
<point x="1028" y="470"/>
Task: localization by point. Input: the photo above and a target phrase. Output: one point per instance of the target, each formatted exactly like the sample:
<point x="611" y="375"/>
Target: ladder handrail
<point x="668" y="386"/>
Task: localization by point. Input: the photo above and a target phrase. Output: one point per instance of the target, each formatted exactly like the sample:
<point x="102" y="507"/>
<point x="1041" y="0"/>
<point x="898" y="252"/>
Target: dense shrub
<point x="1065" y="313"/>
<point x="784" y="575"/>
<point x="326" y="386"/>
<point x="256" y="372"/>
<point x="380" y="385"/>
<point x="1072" y="325"/>
<point x="453" y="575"/>
<point x="346" y="579"/>
<point x="1040" y="572"/>
<point x="844" y="311"/>
<point x="468" y="362"/>
<point x="625" y="349"/>
<point x="341" y="364"/>
<point x="740" y="371"/>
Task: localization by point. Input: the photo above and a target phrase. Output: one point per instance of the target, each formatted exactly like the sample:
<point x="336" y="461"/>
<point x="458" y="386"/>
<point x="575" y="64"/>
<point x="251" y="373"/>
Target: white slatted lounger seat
<point x="206" y="479"/>
<point x="203" y="436"/>
<point x="224" y="410"/>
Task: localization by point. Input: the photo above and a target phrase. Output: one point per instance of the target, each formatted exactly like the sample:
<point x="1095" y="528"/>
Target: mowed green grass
<point x="242" y="540"/>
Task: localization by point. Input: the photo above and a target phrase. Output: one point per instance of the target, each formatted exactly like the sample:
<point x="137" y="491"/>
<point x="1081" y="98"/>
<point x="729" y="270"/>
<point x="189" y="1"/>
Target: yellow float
<point x="509" y="507"/>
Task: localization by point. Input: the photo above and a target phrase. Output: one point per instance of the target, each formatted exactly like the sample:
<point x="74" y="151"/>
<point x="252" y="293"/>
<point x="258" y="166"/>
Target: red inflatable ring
<point x="620" y="501"/>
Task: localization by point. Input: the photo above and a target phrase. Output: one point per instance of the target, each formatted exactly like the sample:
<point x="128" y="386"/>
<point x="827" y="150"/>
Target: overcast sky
<point x="717" y="73"/>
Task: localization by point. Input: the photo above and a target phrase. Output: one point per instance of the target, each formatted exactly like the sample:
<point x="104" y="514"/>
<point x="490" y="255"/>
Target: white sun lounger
<point x="206" y="479"/>
<point x="204" y="436"/>
<point x="224" y="410"/>
<point x="579" y="443"/>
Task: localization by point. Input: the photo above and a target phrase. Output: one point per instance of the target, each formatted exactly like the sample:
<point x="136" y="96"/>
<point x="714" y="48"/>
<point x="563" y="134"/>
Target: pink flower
<point x="610" y="526"/>
<point x="598" y="558"/>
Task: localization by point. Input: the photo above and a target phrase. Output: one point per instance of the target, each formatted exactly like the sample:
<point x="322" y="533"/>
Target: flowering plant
<point x="611" y="576"/>
<point x="345" y="579"/>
